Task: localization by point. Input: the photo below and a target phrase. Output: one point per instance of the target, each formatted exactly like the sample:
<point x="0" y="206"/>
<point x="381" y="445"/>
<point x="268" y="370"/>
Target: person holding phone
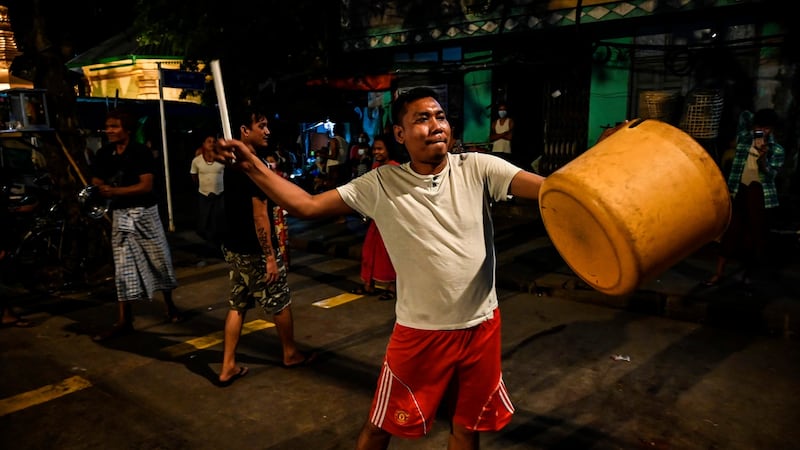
<point x="757" y="160"/>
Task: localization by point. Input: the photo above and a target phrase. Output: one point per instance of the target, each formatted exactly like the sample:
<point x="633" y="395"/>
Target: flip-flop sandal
<point x="115" y="331"/>
<point x="175" y="318"/>
<point x="309" y="358"/>
<point x="19" y="323"/>
<point x="361" y="291"/>
<point x="242" y="372"/>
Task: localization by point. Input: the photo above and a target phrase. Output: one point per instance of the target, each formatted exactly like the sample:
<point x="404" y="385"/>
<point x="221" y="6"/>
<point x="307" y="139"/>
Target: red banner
<point x="361" y="83"/>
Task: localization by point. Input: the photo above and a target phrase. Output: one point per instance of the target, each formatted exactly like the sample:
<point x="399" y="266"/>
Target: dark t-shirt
<point x="240" y="234"/>
<point x="124" y="170"/>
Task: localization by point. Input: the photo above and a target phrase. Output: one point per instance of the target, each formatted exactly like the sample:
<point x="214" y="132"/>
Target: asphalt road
<point x="686" y="386"/>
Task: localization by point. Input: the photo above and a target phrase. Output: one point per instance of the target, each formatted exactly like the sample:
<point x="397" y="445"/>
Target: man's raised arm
<point x="290" y="196"/>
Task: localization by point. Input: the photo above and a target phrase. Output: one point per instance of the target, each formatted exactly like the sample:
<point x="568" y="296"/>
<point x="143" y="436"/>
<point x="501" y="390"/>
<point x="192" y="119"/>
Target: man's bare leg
<point x="463" y="439"/>
<point x="372" y="438"/>
<point x="173" y="314"/>
<point x="125" y="315"/>
<point x="123" y="326"/>
<point x="233" y="331"/>
<point x="284" y="323"/>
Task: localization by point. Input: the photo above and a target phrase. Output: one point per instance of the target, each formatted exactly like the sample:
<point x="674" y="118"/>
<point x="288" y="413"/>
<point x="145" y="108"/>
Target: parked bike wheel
<point x="95" y="256"/>
<point x="38" y="261"/>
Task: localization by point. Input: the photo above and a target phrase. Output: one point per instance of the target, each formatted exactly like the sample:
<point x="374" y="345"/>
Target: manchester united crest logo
<point x="401" y="417"/>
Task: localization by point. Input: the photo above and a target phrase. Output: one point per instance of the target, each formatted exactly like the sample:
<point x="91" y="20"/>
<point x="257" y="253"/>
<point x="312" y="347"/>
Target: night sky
<point x="78" y="25"/>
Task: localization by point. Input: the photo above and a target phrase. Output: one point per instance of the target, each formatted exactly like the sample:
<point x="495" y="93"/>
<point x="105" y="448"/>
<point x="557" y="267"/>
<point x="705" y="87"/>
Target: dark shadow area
<point x="653" y="387"/>
<point x="544" y="259"/>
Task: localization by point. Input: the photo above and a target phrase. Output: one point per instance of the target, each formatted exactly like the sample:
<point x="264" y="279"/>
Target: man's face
<point x="379" y="151"/>
<point x="257" y="135"/>
<point x="425" y="131"/>
<point x="114" y="131"/>
<point x="209" y="143"/>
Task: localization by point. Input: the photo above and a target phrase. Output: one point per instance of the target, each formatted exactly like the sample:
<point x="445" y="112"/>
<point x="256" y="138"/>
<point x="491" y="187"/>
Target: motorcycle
<point x="53" y="252"/>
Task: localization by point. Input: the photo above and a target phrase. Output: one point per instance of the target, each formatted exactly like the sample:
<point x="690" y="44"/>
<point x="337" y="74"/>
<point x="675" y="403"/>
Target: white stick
<point x="216" y="72"/>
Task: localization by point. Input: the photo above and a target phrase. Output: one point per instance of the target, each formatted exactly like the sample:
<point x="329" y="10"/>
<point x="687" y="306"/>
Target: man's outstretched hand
<point x="233" y="152"/>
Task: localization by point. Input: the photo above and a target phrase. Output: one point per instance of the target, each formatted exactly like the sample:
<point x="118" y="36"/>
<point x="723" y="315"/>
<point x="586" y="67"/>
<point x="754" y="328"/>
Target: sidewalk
<point x="528" y="262"/>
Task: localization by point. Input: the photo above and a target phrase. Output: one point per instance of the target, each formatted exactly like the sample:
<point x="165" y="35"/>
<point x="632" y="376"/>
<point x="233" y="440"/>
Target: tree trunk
<point x="64" y="150"/>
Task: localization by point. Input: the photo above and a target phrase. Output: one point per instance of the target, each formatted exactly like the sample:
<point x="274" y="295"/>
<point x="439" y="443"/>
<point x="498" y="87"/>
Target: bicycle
<point x="61" y="252"/>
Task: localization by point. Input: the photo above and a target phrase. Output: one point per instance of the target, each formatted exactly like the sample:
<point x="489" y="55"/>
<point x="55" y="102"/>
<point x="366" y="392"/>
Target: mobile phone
<point x="758" y="134"/>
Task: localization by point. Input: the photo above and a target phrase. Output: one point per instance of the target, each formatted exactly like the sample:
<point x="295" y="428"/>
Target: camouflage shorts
<point x="248" y="281"/>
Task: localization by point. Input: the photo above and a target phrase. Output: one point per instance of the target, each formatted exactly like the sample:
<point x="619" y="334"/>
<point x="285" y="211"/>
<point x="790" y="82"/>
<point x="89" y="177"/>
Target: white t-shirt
<point x="438" y="232"/>
<point x="501" y="145"/>
<point x="209" y="176"/>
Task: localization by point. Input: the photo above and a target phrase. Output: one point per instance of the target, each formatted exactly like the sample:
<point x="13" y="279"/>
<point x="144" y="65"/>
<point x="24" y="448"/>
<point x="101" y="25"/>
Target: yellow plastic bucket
<point x="633" y="205"/>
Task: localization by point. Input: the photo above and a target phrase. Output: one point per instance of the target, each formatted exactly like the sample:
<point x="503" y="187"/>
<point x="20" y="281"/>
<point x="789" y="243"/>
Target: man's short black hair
<point x="248" y="114"/>
<point x="126" y="119"/>
<point x="401" y="102"/>
<point x="203" y="133"/>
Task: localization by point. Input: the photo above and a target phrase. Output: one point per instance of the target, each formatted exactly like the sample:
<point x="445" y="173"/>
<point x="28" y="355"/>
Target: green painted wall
<point x="608" y="102"/>
<point x="477" y="96"/>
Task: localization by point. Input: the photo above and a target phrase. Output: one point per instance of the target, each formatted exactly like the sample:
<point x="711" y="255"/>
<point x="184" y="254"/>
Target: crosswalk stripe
<point x="337" y="300"/>
<point x="212" y="339"/>
<point x="43" y="394"/>
<point x="76" y="383"/>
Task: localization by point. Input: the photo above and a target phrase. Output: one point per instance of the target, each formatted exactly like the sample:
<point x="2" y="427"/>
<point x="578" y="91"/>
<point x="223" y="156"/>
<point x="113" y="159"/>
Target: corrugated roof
<point x="121" y="47"/>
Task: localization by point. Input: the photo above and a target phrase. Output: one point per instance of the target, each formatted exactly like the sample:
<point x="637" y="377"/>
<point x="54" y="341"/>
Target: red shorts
<point x="424" y="367"/>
